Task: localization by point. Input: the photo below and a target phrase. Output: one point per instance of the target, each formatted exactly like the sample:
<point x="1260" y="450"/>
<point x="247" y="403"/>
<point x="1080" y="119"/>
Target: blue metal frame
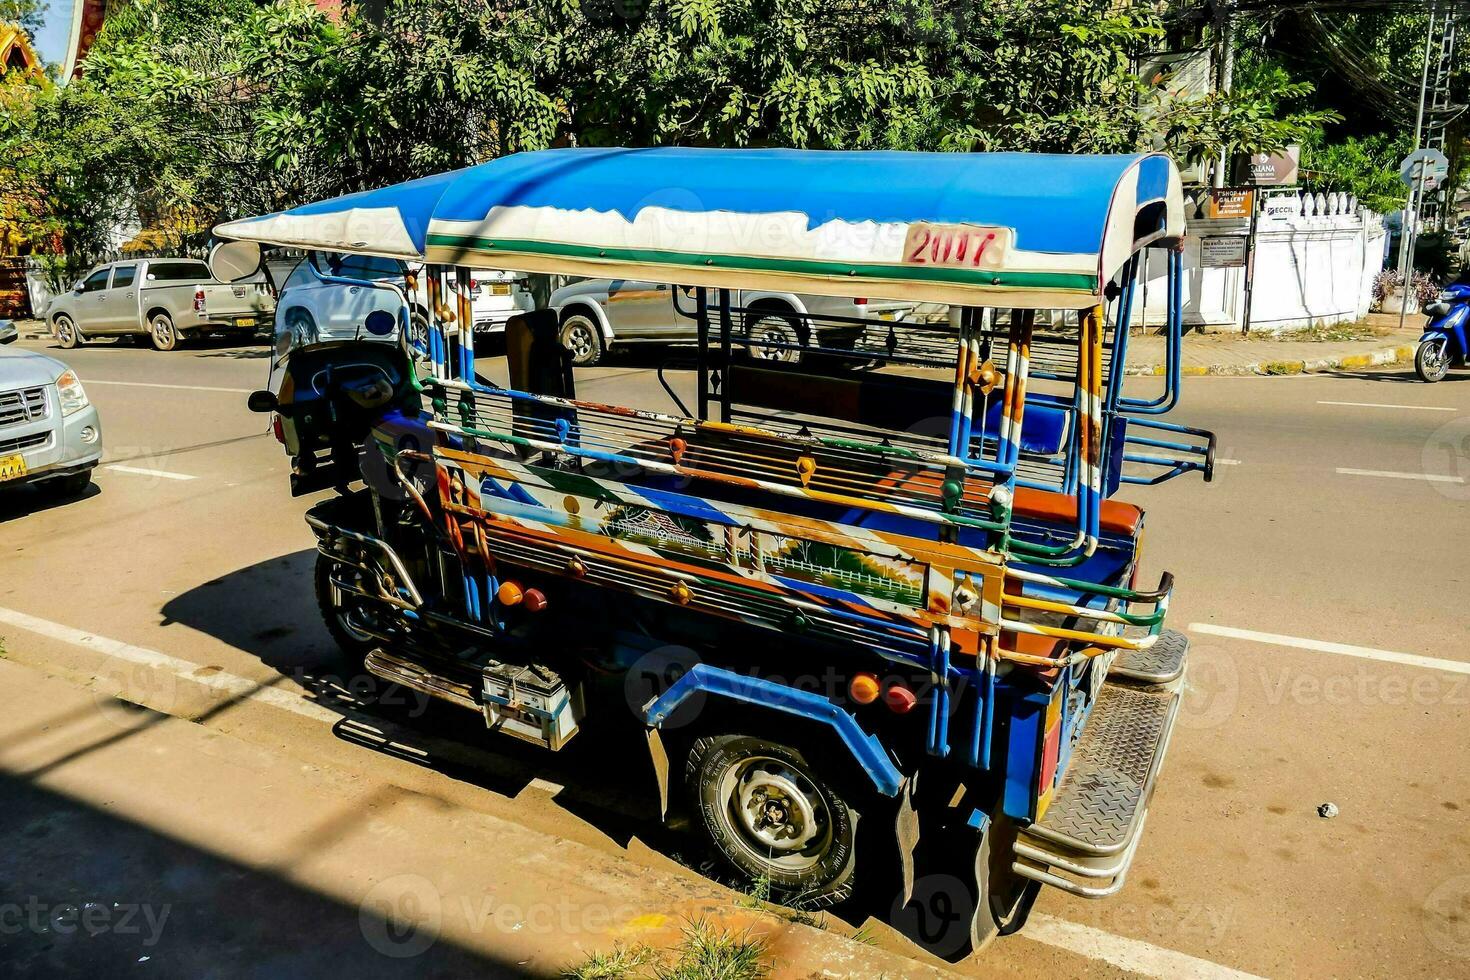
<point x="865" y="748"/>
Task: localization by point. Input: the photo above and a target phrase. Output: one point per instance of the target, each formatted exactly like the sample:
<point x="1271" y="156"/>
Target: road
<point x="1322" y="577"/>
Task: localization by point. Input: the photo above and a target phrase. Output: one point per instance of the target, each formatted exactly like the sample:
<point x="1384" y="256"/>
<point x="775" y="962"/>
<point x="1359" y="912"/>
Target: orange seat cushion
<point x="1046" y="505"/>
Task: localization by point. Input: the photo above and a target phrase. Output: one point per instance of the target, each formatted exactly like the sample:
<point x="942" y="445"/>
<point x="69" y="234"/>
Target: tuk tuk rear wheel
<point x="1004" y="898"/>
<point x="336" y="610"/>
<point x="773" y="818"/>
<point x="1431" y="361"/>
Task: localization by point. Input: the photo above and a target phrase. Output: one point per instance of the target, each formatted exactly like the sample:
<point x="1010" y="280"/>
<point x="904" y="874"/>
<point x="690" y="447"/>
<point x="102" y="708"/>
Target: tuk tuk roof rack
<point x="1034" y="231"/>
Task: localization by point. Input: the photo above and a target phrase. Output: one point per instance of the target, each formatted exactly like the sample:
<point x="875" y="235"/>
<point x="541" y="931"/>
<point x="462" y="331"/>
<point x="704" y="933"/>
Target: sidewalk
<point x="1348" y="348"/>
<point x="141" y="838"/>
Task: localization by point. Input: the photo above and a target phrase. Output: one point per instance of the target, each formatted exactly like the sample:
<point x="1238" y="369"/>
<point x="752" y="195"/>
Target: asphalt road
<point x="1322" y="577"/>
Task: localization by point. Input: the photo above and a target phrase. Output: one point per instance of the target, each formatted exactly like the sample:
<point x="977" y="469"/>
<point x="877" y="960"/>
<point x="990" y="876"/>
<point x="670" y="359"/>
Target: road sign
<point x="1432" y="165"/>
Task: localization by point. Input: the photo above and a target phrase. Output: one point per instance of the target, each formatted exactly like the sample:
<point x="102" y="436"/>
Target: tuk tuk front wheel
<point x="337" y="611"/>
<point x="773" y="818"/>
<point x="1431" y="361"/>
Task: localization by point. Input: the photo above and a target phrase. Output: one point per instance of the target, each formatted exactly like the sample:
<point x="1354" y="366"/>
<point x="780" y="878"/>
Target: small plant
<point x="620" y="963"/>
<point x="1422" y="287"/>
<point x="708" y="953"/>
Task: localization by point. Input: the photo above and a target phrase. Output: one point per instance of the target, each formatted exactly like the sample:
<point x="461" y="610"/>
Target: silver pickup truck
<point x="162" y="299"/>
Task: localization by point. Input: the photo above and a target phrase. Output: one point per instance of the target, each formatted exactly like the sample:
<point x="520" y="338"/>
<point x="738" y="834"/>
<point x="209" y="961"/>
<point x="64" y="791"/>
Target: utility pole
<point x="1224" y="78"/>
<point x="1411" y="207"/>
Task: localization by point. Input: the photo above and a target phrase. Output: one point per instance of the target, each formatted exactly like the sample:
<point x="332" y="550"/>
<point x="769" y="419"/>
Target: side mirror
<point x="234" y="261"/>
<point x="8" y="333"/>
<point x="262" y="402"/>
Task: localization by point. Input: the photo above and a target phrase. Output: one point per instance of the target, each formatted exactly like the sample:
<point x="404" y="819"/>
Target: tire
<point x="582" y="337"/>
<point x="68" y="337"/>
<point x="356" y="644"/>
<point x="73" y="485"/>
<point x="773" y="328"/>
<point x="1003" y="898"/>
<point x="162" y="333"/>
<point x="740" y="784"/>
<point x="1431" y="362"/>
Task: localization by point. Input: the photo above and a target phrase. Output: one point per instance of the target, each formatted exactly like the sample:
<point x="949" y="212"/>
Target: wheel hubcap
<point x="64" y="331"/>
<point x="778" y="813"/>
<point x="579" y="341"/>
<point x="161" y="332"/>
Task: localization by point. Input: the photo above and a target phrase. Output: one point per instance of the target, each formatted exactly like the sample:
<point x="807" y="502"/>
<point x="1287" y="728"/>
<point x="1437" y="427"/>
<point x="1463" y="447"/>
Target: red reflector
<point x="900" y="700"/>
<point x="860" y="300"/>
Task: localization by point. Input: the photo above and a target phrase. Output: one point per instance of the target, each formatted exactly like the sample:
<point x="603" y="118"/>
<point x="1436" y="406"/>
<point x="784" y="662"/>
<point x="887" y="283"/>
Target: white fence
<point x="1316" y="256"/>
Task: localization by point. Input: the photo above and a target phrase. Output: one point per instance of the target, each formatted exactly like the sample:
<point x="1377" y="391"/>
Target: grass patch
<point x="622" y="962"/>
<point x="705" y="953"/>
<point x="708" y="953"/>
<point x="1327" y="333"/>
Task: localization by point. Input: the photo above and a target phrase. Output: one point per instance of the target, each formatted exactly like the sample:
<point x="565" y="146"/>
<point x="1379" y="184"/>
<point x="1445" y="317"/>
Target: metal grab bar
<point x="1192" y="458"/>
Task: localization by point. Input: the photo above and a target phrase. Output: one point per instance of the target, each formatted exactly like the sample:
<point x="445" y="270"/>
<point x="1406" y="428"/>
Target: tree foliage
<point x="191" y="111"/>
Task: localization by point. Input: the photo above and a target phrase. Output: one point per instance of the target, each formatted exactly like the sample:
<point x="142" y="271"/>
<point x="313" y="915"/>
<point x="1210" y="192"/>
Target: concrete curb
<point x="1346" y="362"/>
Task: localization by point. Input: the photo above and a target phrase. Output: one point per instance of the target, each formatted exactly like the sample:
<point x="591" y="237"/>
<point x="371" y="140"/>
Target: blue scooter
<point x="1444" y="341"/>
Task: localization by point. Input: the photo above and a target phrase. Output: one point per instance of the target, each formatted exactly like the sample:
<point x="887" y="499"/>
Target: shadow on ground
<point x="269" y="611"/>
<point x="37" y="497"/>
<point x="88" y="893"/>
<point x="1397" y="377"/>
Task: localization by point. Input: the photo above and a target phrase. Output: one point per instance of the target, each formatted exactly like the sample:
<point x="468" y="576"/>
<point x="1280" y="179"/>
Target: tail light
<point x="860" y="300"/>
<point x="279" y="431"/>
<point x="199" y="299"/>
<point x="474" y="284"/>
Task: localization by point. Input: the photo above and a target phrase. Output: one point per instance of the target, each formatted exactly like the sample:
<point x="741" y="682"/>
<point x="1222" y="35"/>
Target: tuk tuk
<point x="885" y="584"/>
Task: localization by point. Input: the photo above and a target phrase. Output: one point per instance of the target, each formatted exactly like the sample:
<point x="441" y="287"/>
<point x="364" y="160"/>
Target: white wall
<point x="1311" y="268"/>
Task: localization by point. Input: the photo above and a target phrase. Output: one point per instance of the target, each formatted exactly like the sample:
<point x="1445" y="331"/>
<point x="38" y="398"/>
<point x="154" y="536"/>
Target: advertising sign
<point x="1230" y="202"/>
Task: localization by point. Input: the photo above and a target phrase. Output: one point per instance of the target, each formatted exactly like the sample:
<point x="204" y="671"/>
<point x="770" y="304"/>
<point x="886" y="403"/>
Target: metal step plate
<point x="1104" y="793"/>
<point x="1161" y="663"/>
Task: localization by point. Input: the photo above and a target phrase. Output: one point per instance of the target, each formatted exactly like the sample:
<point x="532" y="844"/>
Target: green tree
<point x="30" y="14"/>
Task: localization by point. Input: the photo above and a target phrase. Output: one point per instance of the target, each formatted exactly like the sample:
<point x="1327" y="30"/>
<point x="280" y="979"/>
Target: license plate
<point x="12" y="467"/>
<point x="885" y="315"/>
<point x="500" y="289"/>
<point x="244" y="321"/>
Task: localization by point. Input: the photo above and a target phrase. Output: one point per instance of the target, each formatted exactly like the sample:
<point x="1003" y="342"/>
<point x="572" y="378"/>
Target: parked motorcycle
<point x="1444" y="341"/>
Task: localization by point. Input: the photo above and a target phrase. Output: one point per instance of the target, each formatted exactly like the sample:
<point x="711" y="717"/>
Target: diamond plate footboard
<point x="1095" y="820"/>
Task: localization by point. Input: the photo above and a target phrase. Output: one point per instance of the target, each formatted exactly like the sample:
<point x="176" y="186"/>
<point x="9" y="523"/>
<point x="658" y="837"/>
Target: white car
<point x="312" y="310"/>
<point x="49" y="430"/>
<point x="595" y="314"/>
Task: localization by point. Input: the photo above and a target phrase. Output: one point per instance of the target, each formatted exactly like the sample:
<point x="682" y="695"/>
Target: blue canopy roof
<point x="938" y="226"/>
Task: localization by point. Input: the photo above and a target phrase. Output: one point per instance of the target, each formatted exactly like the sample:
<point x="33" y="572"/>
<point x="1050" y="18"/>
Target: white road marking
<point x="1412" y="408"/>
<point x="140" y="471"/>
<point x="1323" y="646"/>
<point x="1133" y="955"/>
<point x="1389" y="474"/>
<point x="220" y="680"/>
<point x="1227" y="462"/>
<point x="1120" y="951"/>
<point x="145" y="384"/>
